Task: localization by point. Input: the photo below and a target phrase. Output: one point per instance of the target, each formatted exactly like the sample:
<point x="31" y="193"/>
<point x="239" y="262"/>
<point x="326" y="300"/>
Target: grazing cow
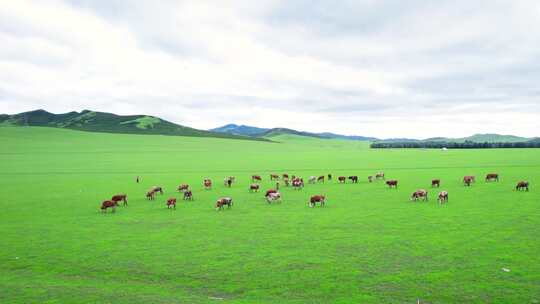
<point x="188" y="195"/>
<point x="522" y="185"/>
<point x="329" y="176"/>
<point x="370" y="178"/>
<point x="435" y="183"/>
<point x="256" y="178"/>
<point x="157" y="189"/>
<point x="228" y="181"/>
<point x="379" y="175"/>
<point x="320" y="179"/>
<point x="443" y="197"/>
<point x="109" y="204"/>
<point x="492" y="177"/>
<point x="150" y="195"/>
<point x="285" y="175"/>
<point x="270" y="191"/>
<point x="220" y="203"/>
<point x="341" y="179"/>
<point x="312" y="180"/>
<point x="419" y="194"/>
<point x="274" y="177"/>
<point x="273" y="197"/>
<point x="171" y="203"/>
<point x="254" y="188"/>
<point x="392" y="183"/>
<point x="317" y="199"/>
<point x="298" y="184"/>
<point x="120" y="197"/>
<point x="354" y="179"/>
<point x="183" y="187"/>
<point x="467" y="180"/>
<point x="207" y="184"/>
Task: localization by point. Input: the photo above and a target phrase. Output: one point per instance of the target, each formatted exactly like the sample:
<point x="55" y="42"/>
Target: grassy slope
<point x="369" y="245"/>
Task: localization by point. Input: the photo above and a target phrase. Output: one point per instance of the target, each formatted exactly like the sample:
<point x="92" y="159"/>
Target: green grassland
<point x="369" y="245"/>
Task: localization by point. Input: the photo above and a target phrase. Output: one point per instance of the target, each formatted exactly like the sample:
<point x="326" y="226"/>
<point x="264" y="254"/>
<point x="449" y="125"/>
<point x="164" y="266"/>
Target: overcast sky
<point x="368" y="67"/>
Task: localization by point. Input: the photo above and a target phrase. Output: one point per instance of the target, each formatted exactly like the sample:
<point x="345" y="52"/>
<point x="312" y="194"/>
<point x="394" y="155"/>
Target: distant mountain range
<point x="106" y="122"/>
<point x="143" y="124"/>
<point x="268" y="133"/>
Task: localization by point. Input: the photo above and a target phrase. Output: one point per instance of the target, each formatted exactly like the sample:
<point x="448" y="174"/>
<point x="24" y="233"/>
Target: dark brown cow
<point x="220" y="203"/>
<point x="492" y="177"/>
<point x="341" y="179"/>
<point x="207" y="184"/>
<point x="183" y="187"/>
<point x="254" y="188"/>
<point x="435" y="183"/>
<point x="171" y="202"/>
<point x="522" y="185"/>
<point x="443" y="197"/>
<point x="285" y="175"/>
<point x="392" y="183"/>
<point x="419" y="194"/>
<point x="120" y="197"/>
<point x="188" y="195"/>
<point x="157" y="189"/>
<point x="354" y="179"/>
<point x="298" y="183"/>
<point x="274" y="177"/>
<point x="467" y="180"/>
<point x="150" y="195"/>
<point x="108" y="204"/>
<point x="379" y="175"/>
<point x="317" y="199"/>
<point x="256" y="178"/>
<point x="320" y="179"/>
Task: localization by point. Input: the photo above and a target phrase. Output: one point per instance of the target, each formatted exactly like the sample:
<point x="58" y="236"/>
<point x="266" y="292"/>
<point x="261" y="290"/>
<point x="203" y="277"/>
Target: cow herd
<point x="297" y="183"/>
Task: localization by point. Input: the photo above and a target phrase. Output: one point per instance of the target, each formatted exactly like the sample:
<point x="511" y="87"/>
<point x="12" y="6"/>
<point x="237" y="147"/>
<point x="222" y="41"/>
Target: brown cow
<point x="522" y="185"/>
<point x="254" y="188"/>
<point x="188" y="195"/>
<point x="419" y="194"/>
<point x="273" y="197"/>
<point x="256" y="178"/>
<point x="270" y="191"/>
<point x="120" y="197"/>
<point x="157" y="189"/>
<point x="392" y="183"/>
<point x="274" y="177"/>
<point x="467" y="180"/>
<point x="443" y="197"/>
<point x="220" y="203"/>
<point x="285" y="175"/>
<point x="183" y="187"/>
<point x="341" y="179"/>
<point x="492" y="177"/>
<point x="320" y="179"/>
<point x="150" y="195"/>
<point x="109" y="204"/>
<point x="298" y="183"/>
<point x="207" y="184"/>
<point x="354" y="179"/>
<point x="317" y="199"/>
<point x="171" y="202"/>
<point x="379" y="175"/>
<point x="435" y="183"/>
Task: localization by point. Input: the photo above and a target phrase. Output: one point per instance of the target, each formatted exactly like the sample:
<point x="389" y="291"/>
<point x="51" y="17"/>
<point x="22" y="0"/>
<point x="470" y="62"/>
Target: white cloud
<point x="377" y="68"/>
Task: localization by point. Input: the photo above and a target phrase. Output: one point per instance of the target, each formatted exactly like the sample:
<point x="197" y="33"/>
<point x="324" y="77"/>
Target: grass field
<point x="369" y="245"/>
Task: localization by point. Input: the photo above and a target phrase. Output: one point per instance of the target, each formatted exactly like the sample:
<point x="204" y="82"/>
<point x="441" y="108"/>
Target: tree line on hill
<point x="454" y="145"/>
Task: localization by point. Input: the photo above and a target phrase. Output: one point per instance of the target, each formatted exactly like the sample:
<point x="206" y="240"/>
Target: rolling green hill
<point x="109" y="123"/>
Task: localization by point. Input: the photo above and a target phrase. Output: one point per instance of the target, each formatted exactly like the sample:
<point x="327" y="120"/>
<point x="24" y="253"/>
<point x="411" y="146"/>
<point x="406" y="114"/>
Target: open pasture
<point x="370" y="244"/>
